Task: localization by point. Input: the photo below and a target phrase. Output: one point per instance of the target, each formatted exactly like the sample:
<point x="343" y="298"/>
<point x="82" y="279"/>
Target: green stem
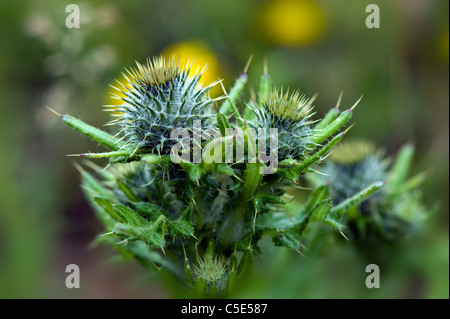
<point x="252" y="180"/>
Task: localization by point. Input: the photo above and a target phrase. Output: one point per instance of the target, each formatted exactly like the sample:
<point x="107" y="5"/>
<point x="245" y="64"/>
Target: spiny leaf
<point x="319" y="194"/>
<point x="107" y="220"/>
<point x="94" y="133"/>
<point x="223" y="168"/>
<point x="127" y="191"/>
<point x="124" y="152"/>
<point x="152" y="234"/>
<point x="130" y="216"/>
<point x="328" y="119"/>
<point x="154" y="159"/>
<point x="289" y="239"/>
<point x="246" y="261"/>
<point x="264" y="83"/>
<point x="194" y="170"/>
<point x="232" y="97"/>
<point x="183" y="225"/>
<point x="320" y="135"/>
<point x="262" y="199"/>
<point x="355" y="199"/>
<point x="322" y="210"/>
<point x="108" y="207"/>
<point x="223" y="123"/>
<point x="149" y="210"/>
<point x="318" y="156"/>
<point x="400" y="169"/>
<point x="150" y="258"/>
<point x="92" y="185"/>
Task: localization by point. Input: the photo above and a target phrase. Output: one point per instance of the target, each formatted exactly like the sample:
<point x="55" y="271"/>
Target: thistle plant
<point x="201" y="221"/>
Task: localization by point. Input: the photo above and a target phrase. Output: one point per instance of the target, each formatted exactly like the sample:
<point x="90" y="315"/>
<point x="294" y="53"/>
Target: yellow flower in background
<point x="115" y="93"/>
<point x="201" y="55"/>
<point x="292" y="22"/>
<point x="196" y="51"/>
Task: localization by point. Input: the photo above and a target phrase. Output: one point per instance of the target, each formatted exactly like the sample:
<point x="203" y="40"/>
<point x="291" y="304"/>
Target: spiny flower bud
<point x="211" y="269"/>
<point x="290" y="114"/>
<point x="388" y="213"/>
<point x="351" y="152"/>
<point x="353" y="166"/>
<point x="159" y="96"/>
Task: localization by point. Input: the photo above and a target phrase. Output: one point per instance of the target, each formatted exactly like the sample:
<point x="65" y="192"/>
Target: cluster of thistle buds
<point x="184" y="191"/>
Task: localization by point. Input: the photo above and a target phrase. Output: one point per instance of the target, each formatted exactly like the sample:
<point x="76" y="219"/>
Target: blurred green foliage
<point x="401" y="68"/>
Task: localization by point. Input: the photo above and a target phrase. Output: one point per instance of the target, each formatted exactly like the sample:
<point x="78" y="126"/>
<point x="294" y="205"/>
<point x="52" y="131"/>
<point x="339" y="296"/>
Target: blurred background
<point x="316" y="46"/>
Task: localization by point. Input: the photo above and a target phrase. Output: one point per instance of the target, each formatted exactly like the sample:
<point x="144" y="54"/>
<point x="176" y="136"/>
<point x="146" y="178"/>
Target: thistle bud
<point x="157" y="97"/>
<point x="387" y="213"/>
<point x="353" y="166"/>
<point x="290" y="114"/>
<point x="211" y="269"/>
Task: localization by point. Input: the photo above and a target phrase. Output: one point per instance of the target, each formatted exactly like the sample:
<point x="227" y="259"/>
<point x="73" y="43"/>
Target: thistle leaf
<point x="320" y="135"/>
<point x="194" y="170"/>
<point x="318" y="156"/>
<point x="94" y="133"/>
<point x="223" y="168"/>
<point x="229" y="103"/>
<point x="149" y="210"/>
<point x="183" y="225"/>
<point x="223" y="123"/>
<point x="124" y="152"/>
<point x="354" y="200"/>
<point x="129" y="216"/>
<point x="328" y="119"/>
<point x="289" y="239"/>
<point x="400" y="169"/>
<point x="261" y="199"/>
